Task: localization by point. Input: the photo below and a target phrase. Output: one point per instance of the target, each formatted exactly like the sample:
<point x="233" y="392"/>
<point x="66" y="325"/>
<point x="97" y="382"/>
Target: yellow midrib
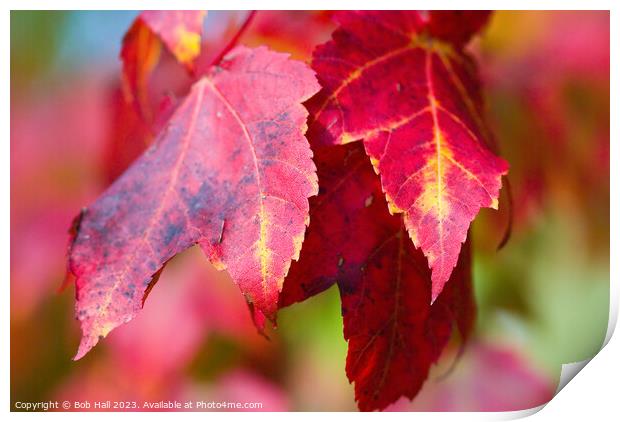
<point x="438" y="147"/>
<point x="263" y="252"/>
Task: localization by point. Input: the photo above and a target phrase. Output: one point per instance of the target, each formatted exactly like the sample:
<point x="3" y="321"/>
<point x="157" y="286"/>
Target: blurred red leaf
<point x="293" y="31"/>
<point x="489" y="378"/>
<point x="455" y="26"/>
<point x="554" y="122"/>
<point x="232" y="172"/>
<point x="424" y="132"/>
<point x="394" y="333"/>
<point x="129" y="136"/>
<point x="179" y="30"/>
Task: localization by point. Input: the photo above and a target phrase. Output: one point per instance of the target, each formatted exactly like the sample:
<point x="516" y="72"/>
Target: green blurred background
<point x="543" y="299"/>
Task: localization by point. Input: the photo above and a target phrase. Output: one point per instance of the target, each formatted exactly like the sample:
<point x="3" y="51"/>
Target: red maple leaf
<point x="394" y="332"/>
<point x="232" y="172"/>
<point x="401" y="82"/>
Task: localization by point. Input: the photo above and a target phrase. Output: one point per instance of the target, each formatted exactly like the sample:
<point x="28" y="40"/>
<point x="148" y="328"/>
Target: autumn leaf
<point x="180" y="31"/>
<point x="415" y="101"/>
<point x="454" y="26"/>
<point x="393" y="331"/>
<point x="128" y="136"/>
<point x="232" y="172"/>
<point x="474" y="384"/>
<point x="294" y="31"/>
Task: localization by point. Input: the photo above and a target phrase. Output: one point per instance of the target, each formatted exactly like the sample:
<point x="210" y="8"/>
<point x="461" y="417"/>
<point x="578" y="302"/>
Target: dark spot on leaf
<point x="172" y="232"/>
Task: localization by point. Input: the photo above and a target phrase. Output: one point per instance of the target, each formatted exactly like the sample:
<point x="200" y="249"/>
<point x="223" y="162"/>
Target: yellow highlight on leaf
<point x="188" y="46"/>
<point x="263" y="252"/>
<point x="105" y="328"/>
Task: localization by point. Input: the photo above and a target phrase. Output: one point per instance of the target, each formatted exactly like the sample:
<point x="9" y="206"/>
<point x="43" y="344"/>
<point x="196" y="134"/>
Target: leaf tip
<point x="86" y="343"/>
<point x="91" y="334"/>
<point x="435" y="291"/>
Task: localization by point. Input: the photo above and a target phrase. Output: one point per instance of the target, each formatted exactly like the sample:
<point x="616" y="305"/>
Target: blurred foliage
<point x="543" y="299"/>
<point x="35" y="39"/>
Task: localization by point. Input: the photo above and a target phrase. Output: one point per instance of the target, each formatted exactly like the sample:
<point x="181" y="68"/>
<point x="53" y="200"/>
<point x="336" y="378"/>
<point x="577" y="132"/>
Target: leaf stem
<point x="233" y="41"/>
